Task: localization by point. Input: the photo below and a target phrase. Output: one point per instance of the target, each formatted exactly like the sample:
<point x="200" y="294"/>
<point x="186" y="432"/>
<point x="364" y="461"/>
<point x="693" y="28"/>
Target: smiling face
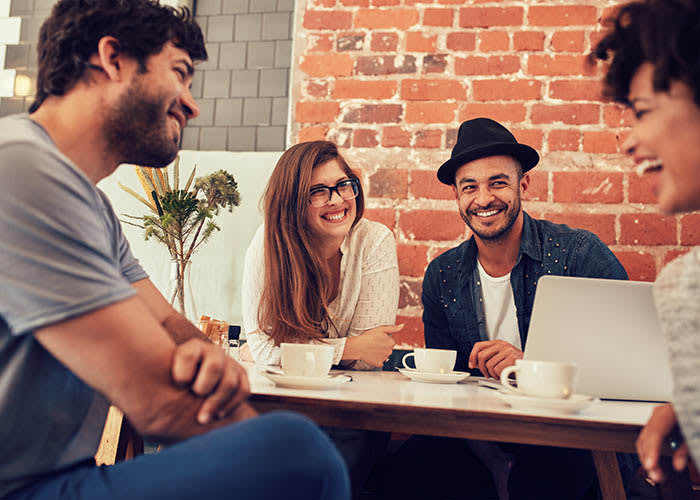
<point x="665" y="140"/>
<point x="146" y="124"/>
<point x="488" y="194"/>
<point x="331" y="222"/>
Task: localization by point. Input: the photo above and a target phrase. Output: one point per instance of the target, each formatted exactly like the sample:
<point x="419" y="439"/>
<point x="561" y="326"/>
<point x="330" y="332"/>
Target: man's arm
<point x="179" y="327"/>
<point x="122" y="351"/>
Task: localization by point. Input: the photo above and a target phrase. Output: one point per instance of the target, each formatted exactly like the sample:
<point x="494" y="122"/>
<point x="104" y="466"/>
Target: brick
<point x="493" y="40"/>
<point x="326" y="64"/>
<point x="493" y="65"/>
<point x="412" y="333"/>
<point x="672" y="255"/>
<point x="386" y="18"/>
<point x="538" y="188"/>
<point x="410" y="293"/>
<point x="342" y="137"/>
<point x="418" y="41"/>
<point x="575" y="90"/>
<point x="432" y="225"/>
<point x="531" y="136"/>
<point x="383" y="3"/>
<point x="488" y="17"/>
<point x="599" y="142"/>
<point x="320" y="42"/>
<point x="571" y="114"/>
<point x="395" y="137"/>
<point x="461" y="41"/>
<point x="384" y="42"/>
<point x="505" y="113"/>
<point x="640" y="266"/>
<point x="587" y="187"/>
<point x="386" y="65"/>
<point x="424" y="185"/>
<point x="389" y="183"/>
<point x="647" y="229"/>
<point x="568" y="41"/>
<point x="364" y="89"/>
<point x="602" y="225"/>
<point x="528" y="40"/>
<point x="561" y="64"/>
<point x="428" y="139"/>
<point x="364" y="138"/>
<point x="350" y="41"/>
<point x="322" y="3"/>
<point x="354" y="3"/>
<point x="413" y="259"/>
<point x="641" y="188"/>
<point x="690" y="229"/>
<point x="616" y="115"/>
<point x="505" y="90"/>
<point x="430" y="112"/>
<point x="434" y="63"/>
<point x="569" y="15"/>
<point x="432" y="90"/>
<point x="374" y="113"/>
<point x="316" y="112"/>
<point x="564" y="140"/>
<point x="438" y="17"/>
<point x="316" y="89"/>
<point x="327" y="20"/>
<point x="386" y="216"/>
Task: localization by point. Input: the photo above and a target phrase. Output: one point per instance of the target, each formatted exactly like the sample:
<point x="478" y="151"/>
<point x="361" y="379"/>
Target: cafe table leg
<point x="609" y="477"/>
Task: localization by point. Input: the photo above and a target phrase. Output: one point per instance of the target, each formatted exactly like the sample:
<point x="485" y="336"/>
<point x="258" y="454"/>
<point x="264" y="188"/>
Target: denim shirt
<point x="453" y="316"/>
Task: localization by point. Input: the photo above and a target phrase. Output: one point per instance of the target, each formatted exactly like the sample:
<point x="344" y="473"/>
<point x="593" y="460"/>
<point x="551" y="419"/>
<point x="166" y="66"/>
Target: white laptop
<point x="609" y="328"/>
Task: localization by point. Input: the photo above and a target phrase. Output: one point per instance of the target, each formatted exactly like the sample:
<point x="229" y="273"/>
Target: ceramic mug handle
<point x="405" y="357"/>
<point x="506" y="382"/>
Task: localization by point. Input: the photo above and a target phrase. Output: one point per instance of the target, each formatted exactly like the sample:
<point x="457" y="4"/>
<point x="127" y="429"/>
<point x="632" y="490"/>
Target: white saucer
<point x="434" y="378"/>
<point x="327" y="382"/>
<point x="573" y="404"/>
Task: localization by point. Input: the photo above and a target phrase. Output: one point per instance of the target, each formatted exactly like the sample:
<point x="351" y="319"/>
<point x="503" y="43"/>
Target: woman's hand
<point x="373" y="346"/>
<point x="661" y="424"/>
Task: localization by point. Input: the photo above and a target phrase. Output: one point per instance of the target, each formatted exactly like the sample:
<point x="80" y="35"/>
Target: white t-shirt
<point x="368" y="292"/>
<point x="499" y="307"/>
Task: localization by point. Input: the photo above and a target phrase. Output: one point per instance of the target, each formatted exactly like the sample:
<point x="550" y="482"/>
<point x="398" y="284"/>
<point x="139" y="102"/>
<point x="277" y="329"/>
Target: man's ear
<point x="454" y="190"/>
<point x="109" y="57"/>
<point x="524" y="183"/>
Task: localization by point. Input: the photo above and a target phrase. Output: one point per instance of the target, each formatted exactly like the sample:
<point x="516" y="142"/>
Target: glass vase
<point x="180" y="292"/>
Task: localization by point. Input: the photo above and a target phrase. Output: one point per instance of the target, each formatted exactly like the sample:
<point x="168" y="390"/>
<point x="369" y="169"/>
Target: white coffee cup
<point x="306" y="360"/>
<point x="432" y="360"/>
<point x="545" y="379"/>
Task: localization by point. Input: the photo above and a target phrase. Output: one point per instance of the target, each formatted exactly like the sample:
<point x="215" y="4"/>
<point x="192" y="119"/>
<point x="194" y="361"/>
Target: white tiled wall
<point x="9" y="34"/>
<point x="4" y="8"/>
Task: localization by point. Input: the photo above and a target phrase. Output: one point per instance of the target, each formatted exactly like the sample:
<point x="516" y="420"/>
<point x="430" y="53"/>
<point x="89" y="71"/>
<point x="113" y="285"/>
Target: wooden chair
<point x="120" y="441"/>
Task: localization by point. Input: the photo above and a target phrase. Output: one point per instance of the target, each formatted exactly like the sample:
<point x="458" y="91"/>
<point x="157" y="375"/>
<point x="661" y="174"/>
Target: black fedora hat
<point x="483" y="137"/>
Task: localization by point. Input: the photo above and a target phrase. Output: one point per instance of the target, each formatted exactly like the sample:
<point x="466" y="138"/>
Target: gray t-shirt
<point x="62" y="254"/>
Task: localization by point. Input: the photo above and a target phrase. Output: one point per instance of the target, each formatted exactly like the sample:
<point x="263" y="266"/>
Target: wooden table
<point x="388" y="401"/>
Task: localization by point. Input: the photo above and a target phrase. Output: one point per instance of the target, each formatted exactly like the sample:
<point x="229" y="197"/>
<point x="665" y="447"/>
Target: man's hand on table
<point x="661" y="424"/>
<point x="373" y="346"/>
<point x="491" y="357"/>
<point x="211" y="374"/>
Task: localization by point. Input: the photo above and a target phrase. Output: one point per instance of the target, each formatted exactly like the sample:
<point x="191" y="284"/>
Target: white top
<point x="499" y="307"/>
<point x="368" y="292"/>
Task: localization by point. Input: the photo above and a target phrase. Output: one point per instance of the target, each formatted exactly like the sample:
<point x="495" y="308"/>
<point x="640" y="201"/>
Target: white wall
<point x="218" y="264"/>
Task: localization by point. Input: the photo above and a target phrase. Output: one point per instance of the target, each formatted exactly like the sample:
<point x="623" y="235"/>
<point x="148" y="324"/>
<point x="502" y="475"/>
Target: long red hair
<point x="297" y="283"/>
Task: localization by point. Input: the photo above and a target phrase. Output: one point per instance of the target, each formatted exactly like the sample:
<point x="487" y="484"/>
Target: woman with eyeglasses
<point x="316" y="271"/>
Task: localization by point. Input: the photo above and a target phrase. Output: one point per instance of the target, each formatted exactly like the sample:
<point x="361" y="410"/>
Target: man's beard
<point x="137" y="129"/>
<point x="511" y="215"/>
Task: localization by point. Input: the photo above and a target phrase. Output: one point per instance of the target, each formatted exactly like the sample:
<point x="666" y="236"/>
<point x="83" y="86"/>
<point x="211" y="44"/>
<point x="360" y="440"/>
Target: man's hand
<point x="373" y="346"/>
<point x="661" y="424"/>
<point x="491" y="357"/>
<point x="211" y="374"/>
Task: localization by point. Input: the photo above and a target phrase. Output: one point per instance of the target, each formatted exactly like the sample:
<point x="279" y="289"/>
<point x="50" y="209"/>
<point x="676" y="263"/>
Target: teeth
<point x="337" y="216"/>
<point x="488" y="213"/>
<point x="647" y="166"/>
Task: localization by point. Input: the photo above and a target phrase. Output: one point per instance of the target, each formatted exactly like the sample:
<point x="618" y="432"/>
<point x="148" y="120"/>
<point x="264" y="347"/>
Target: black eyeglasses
<point x="346" y="189"/>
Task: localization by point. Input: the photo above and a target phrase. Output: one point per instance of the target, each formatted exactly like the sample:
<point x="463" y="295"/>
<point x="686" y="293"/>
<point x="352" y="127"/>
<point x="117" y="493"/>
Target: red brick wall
<point x="391" y="80"/>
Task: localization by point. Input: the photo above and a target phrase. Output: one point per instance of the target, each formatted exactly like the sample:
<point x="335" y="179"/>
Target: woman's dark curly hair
<point x="665" y="33"/>
<point x="70" y="36"/>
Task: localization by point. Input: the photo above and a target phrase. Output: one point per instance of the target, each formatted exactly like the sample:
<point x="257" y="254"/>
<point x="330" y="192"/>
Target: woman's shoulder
<point x="369" y="230"/>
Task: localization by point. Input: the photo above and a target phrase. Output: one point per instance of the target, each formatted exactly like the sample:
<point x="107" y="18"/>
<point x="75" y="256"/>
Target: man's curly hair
<point x="665" y="33"/>
<point x="71" y="33"/>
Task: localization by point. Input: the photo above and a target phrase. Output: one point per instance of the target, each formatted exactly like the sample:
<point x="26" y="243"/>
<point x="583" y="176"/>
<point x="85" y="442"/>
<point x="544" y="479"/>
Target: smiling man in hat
<point x="477" y="300"/>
